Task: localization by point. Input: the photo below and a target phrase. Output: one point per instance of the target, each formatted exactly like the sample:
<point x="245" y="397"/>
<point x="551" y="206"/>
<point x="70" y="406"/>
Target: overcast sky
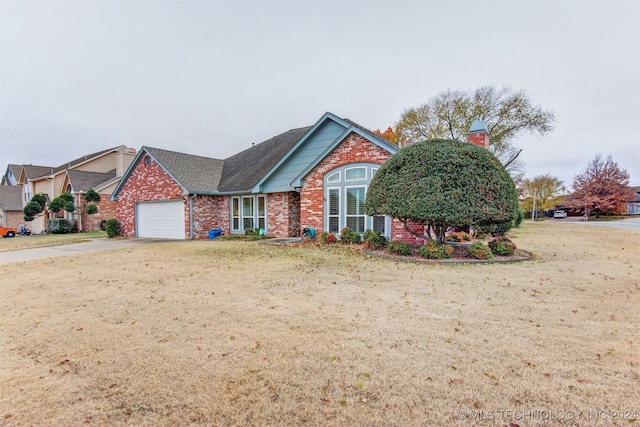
<point x="212" y="77"/>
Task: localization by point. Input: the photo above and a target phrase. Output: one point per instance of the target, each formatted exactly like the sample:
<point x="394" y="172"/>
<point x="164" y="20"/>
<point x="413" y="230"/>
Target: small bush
<point x="435" y="250"/>
<point x="479" y="250"/>
<point x="482" y="231"/>
<point x="459" y="236"/>
<point x="501" y="228"/>
<point x="502" y="246"/>
<point x="112" y="228"/>
<point x="399" y="248"/>
<point x="348" y="236"/>
<point x="58" y="226"/>
<point x="327" y="238"/>
<point x="374" y="240"/>
<point x="519" y="218"/>
<point x="92" y="209"/>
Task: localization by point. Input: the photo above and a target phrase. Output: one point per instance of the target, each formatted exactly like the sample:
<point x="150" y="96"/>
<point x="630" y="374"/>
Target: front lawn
<point x="247" y="333"/>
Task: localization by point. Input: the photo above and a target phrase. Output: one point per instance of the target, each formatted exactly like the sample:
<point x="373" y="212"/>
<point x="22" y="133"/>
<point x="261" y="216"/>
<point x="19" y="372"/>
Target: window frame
<point x="242" y="219"/>
<point x="342" y="186"/>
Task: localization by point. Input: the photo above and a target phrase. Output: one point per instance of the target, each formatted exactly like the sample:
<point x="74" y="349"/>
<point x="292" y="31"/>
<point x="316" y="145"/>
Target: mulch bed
<point x="519" y="255"/>
<point x="456" y="258"/>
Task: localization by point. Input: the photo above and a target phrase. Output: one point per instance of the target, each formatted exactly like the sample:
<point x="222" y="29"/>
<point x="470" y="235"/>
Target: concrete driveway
<point x="624" y="224"/>
<point x="100" y="244"/>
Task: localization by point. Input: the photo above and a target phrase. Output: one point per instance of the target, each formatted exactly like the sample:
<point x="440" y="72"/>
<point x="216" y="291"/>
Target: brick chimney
<point x="478" y="134"/>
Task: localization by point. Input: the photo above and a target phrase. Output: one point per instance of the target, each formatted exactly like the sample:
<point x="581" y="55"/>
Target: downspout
<point x="191" y="215"/>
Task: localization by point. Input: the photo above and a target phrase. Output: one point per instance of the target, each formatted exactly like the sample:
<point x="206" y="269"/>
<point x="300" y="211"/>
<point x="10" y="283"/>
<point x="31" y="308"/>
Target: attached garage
<point x="164" y="220"/>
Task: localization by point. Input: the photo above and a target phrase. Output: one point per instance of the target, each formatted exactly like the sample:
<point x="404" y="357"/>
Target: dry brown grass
<point x="224" y="333"/>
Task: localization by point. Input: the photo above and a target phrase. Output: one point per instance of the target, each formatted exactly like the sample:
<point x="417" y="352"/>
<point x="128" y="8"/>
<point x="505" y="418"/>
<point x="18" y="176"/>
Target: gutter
<point x="191" y="215"/>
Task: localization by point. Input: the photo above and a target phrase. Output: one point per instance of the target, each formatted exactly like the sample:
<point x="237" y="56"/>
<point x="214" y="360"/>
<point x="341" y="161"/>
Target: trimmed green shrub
<point x="328" y="238"/>
<point x="519" y="218"/>
<point x="443" y="184"/>
<point x="374" y="240"/>
<point x="399" y="248"/>
<point x="112" y="228"/>
<point x="92" y="209"/>
<point x="31" y="209"/>
<point x="459" y="236"/>
<point x="348" y="236"/>
<point x="501" y="228"/>
<point x="479" y="250"/>
<point x="58" y="226"/>
<point x="434" y="250"/>
<point x="92" y="196"/>
<point x="502" y="245"/>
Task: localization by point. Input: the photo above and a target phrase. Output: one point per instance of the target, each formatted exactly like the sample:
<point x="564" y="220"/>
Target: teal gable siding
<point x="312" y="147"/>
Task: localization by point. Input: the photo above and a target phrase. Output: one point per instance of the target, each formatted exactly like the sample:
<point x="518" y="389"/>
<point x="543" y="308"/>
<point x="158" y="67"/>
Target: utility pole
<point x="533" y="213"/>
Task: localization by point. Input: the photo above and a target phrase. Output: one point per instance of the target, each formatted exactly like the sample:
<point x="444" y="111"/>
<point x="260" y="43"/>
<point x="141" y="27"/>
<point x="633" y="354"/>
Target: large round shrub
<point x="443" y="184"/>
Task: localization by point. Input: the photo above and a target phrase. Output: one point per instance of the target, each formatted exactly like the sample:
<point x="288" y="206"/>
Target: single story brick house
<point x="313" y="176"/>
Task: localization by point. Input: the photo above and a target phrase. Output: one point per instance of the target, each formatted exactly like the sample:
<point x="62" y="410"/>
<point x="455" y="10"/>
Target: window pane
<point x="236" y="223"/>
<point x="355" y="201"/>
<point x="334" y="202"/>
<point x="261" y="205"/>
<point x="355" y="173"/>
<point x="334" y="178"/>
<point x="247" y="206"/>
<point x="247" y="223"/>
<point x="333" y="225"/>
<point x="356" y="223"/>
<point x="236" y="208"/>
<point x="378" y="224"/>
<point x="261" y="223"/>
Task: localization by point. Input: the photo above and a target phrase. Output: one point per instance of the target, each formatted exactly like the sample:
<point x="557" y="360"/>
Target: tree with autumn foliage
<point x="448" y="115"/>
<point x="601" y="187"/>
<point x="543" y="190"/>
<point x="388" y="134"/>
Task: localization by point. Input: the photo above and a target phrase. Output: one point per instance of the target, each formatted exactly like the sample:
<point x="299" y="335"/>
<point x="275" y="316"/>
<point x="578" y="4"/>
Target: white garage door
<point x="161" y="220"/>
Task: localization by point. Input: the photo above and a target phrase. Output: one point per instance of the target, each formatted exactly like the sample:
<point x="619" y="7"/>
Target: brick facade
<point x="481" y="139"/>
<point x="354" y="149"/>
<point x="210" y="212"/>
<point x="287" y="212"/>
<point x="145" y="183"/>
<point x="283" y="214"/>
<point x="106" y="210"/>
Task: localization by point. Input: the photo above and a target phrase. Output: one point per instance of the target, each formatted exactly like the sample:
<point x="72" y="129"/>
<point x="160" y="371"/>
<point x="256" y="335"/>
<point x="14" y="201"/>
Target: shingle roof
<point x="75" y="162"/>
<point x="81" y="181"/>
<point x="195" y="173"/>
<point x="11" y="197"/>
<point x="32" y="172"/>
<point x="243" y="170"/>
<point x="373" y="135"/>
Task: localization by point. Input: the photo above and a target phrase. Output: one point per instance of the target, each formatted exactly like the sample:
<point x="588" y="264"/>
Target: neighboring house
<point x="11" y="175"/>
<point x="633" y="205"/>
<point x="307" y="177"/>
<point x="11" y="206"/>
<point x="102" y="169"/>
<point x="78" y="182"/>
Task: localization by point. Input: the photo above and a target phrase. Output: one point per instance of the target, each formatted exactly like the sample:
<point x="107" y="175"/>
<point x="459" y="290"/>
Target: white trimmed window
<point x="248" y="212"/>
<point x="345" y="192"/>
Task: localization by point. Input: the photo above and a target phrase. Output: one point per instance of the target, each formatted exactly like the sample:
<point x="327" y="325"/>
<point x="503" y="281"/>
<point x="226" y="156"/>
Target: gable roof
<point x="32" y="172"/>
<point x="195" y="174"/>
<point x="248" y="170"/>
<point x="10" y="198"/>
<point x="348" y="126"/>
<point x="81" y="181"/>
<point x="80" y="160"/>
<point x="13" y="171"/>
<point x="243" y="170"/>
